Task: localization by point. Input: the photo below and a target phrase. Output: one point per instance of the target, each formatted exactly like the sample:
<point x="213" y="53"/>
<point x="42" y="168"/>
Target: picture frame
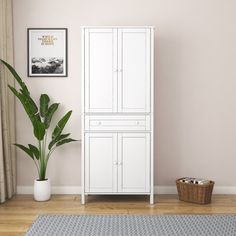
<point x="47" y="52"/>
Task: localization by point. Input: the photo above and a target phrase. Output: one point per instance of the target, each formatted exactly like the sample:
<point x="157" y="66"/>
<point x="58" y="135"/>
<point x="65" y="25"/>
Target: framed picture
<point x="47" y="52"/>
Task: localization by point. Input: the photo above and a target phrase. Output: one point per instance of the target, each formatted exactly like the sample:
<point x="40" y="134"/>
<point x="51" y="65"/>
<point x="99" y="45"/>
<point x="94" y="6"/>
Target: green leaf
<point x="17" y="77"/>
<point x="33" y="105"/>
<point x="24" y="90"/>
<point x="25" y="149"/>
<point x="60" y="125"/>
<point x="49" y="114"/>
<point x="68" y="140"/>
<point x="39" y="129"/>
<point x="34" y="150"/>
<point x="27" y="102"/>
<point x="44" y="100"/>
<point x="30" y="101"/>
<point x="59" y="138"/>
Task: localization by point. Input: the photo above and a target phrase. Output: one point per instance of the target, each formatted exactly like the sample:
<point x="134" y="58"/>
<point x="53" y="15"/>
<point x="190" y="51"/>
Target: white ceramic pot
<point x="42" y="190"/>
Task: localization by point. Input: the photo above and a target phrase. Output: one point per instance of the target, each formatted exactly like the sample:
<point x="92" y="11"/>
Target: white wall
<point x="195" y="65"/>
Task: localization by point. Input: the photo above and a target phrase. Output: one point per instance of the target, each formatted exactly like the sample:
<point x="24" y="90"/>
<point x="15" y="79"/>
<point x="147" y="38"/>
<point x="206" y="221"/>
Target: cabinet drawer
<point x="113" y="123"/>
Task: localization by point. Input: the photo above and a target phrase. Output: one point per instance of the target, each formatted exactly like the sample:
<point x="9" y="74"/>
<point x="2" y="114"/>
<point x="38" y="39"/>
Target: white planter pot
<point x="42" y="190"/>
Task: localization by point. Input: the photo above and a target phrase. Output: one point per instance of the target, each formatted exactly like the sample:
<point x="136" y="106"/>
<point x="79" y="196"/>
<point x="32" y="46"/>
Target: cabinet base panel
<point x="85" y="195"/>
<point x="97" y="193"/>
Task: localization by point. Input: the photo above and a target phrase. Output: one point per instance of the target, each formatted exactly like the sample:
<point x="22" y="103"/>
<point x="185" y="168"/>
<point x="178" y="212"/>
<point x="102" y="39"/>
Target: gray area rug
<point x="133" y="225"/>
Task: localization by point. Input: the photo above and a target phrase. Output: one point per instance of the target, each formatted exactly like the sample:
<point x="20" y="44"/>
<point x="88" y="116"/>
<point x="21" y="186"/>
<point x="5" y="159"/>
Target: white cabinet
<point x="133" y="162"/>
<point x="117" y="122"/>
<point x="117" y="163"/>
<point x="100" y="65"/>
<point x="117" y="111"/>
<point x="101" y="156"/>
<point x="134" y="70"/>
<point x="117" y="70"/>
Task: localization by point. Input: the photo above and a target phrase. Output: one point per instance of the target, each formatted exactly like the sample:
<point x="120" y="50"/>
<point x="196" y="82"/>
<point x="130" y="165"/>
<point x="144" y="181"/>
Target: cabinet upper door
<point x="134" y="162"/>
<point x="100" y="162"/>
<point x="100" y="64"/>
<point x="134" y="68"/>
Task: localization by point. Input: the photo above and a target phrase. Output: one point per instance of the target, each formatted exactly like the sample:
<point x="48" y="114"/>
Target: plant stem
<point x="40" y="162"/>
<point x="44" y="154"/>
<point x="36" y="166"/>
<point x="50" y="153"/>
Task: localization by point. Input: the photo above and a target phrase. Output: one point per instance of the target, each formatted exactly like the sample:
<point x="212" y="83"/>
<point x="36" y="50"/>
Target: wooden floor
<point x="17" y="214"/>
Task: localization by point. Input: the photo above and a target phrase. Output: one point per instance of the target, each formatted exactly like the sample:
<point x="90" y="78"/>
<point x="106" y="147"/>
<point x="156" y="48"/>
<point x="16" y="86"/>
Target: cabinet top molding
<point x="112" y="26"/>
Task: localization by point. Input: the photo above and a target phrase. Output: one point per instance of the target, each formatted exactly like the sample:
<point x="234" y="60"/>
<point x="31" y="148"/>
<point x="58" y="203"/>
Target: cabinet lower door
<point x="134" y="162"/>
<point x="100" y="162"/>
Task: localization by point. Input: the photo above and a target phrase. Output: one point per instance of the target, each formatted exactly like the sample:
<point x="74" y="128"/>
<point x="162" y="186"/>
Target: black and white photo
<point x="47" y="52"/>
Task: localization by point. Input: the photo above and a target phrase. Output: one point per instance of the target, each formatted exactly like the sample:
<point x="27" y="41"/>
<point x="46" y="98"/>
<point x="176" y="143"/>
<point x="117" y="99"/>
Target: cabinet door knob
<point x="120" y="70"/>
<point x="119" y="163"/>
<point x="115" y="162"/>
<point x="116" y="70"/>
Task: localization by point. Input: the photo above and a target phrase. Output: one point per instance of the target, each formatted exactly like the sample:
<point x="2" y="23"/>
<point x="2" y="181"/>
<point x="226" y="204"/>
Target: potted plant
<point x="40" y="119"/>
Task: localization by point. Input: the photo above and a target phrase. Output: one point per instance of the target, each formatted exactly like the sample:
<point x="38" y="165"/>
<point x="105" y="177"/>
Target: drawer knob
<point x="99" y="122"/>
<point x="137" y="122"/>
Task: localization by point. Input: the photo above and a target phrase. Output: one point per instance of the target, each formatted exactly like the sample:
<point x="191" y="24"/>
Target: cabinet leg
<point x="82" y="199"/>
<point x="152" y="199"/>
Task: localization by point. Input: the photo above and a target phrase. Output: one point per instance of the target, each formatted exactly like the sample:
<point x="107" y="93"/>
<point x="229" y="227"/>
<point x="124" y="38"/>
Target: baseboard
<point x="158" y="189"/>
<point x="55" y="189"/>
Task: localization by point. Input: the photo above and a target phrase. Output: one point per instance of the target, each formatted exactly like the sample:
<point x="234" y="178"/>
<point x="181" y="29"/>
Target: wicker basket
<point x="195" y="193"/>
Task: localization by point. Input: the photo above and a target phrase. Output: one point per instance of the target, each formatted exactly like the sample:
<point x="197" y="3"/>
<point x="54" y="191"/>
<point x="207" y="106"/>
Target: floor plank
<point x="17" y="214"/>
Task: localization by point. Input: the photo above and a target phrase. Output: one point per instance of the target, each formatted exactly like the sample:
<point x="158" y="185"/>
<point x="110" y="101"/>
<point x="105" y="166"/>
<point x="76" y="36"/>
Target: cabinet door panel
<point x="134" y="70"/>
<point x="134" y="162"/>
<point x="100" y="66"/>
<point x="100" y="156"/>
